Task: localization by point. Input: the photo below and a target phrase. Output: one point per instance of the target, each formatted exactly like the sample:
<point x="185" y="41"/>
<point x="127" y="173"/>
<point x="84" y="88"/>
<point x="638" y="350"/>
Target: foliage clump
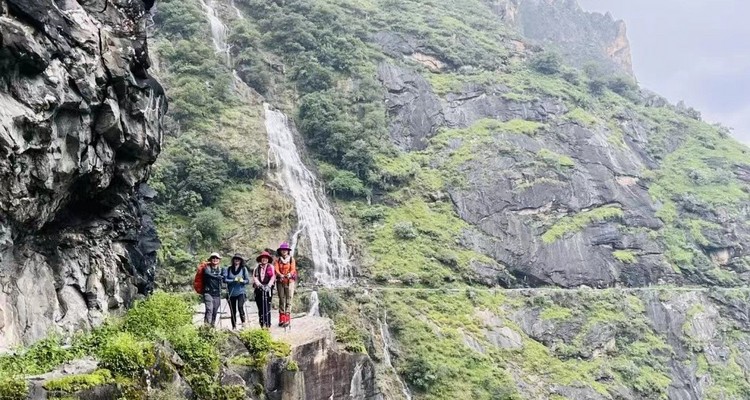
<point x="577" y="222"/>
<point x="75" y="383"/>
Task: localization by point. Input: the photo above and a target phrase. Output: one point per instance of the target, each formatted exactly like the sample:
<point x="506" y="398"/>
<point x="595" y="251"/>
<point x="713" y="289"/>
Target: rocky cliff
<point x="79" y="128"/>
<point x="582" y="37"/>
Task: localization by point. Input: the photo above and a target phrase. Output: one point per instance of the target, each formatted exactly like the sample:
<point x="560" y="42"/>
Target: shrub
<point x="257" y="341"/>
<point x="13" y="388"/>
<point x="123" y="354"/>
<point x="75" y="383"/>
<point x="209" y="223"/>
<point x="548" y="63"/>
<point x="198" y="351"/>
<point x="577" y="222"/>
<point x="158" y="315"/>
<point x="41" y="357"/>
<point x="329" y="303"/>
<point x="292" y="366"/>
<point x="206" y="387"/>
<point x="405" y="230"/>
<point x="625" y="256"/>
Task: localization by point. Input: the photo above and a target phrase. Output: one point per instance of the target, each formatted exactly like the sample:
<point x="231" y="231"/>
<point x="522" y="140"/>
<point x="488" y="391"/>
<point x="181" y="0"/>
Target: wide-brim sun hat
<point x="238" y="256"/>
<point x="264" y="254"/>
<point x="283" y="246"/>
<point x="214" y="255"/>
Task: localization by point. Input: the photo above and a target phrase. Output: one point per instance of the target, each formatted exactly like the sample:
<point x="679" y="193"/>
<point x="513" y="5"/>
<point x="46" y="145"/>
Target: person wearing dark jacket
<point x="236" y="277"/>
<point x="263" y="281"/>
<point x="212" y="281"/>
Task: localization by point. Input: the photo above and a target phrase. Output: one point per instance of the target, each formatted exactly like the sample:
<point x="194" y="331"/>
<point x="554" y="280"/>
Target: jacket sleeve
<point x="256" y="282"/>
<point x="294" y="269"/>
<point x="225" y="275"/>
<point x="276" y="267"/>
<point x="211" y="275"/>
<point x="273" y="278"/>
<point x="245" y="276"/>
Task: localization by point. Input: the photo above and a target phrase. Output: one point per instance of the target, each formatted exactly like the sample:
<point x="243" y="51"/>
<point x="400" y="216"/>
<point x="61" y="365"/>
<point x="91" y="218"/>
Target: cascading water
<point x="237" y="10"/>
<point x="314" y="305"/>
<point x="386" y="335"/>
<point x="218" y="30"/>
<point x="327" y="247"/>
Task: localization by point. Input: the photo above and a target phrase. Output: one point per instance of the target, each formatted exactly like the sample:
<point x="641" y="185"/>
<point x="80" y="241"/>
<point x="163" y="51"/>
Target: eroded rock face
<point x="79" y="128"/>
<point x="580" y="36"/>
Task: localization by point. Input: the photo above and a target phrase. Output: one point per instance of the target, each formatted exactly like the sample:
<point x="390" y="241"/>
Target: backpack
<point x="198" y="280"/>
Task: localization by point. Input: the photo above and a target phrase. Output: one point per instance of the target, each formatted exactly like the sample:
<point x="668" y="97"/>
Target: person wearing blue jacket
<point x="236" y="277"/>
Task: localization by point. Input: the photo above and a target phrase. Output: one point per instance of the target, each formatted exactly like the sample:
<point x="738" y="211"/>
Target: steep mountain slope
<point x="79" y="128"/>
<point x="464" y="157"/>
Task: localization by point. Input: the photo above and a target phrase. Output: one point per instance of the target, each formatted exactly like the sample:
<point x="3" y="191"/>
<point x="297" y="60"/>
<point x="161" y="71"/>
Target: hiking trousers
<point x="212" y="303"/>
<point x="237" y="304"/>
<point x="286" y="293"/>
<point x="263" y="301"/>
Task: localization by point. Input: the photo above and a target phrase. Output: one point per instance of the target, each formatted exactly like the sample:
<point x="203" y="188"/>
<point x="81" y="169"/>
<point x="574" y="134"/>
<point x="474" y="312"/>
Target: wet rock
<point x="78" y="132"/>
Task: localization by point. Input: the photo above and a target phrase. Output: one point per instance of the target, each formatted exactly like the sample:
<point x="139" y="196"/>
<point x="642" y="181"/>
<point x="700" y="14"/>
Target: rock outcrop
<point x="79" y="128"/>
<point x="580" y="36"/>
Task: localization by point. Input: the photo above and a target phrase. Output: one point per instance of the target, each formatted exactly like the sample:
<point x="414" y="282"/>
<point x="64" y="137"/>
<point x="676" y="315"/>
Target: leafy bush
<point x="198" y="351"/>
<point x="292" y="366"/>
<point x="343" y="182"/>
<point x="206" y="387"/>
<point x="13" y="388"/>
<point x="158" y="315"/>
<point x="257" y="341"/>
<point x="209" y="223"/>
<point x="548" y="63"/>
<point x="625" y="256"/>
<point x="123" y="354"/>
<point x="405" y="230"/>
<point x="577" y="222"/>
<point x="75" y="383"/>
<point x="41" y="357"/>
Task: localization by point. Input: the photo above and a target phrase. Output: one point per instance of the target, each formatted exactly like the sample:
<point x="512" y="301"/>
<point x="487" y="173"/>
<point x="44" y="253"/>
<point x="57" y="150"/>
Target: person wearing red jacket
<point x="285" y="268"/>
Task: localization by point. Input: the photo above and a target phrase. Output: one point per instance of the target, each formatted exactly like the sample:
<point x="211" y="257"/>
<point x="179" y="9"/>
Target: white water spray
<point x="386" y="335"/>
<point x="314" y="305"/>
<point x="218" y="30"/>
<point x="237" y="10"/>
<point x="327" y="247"/>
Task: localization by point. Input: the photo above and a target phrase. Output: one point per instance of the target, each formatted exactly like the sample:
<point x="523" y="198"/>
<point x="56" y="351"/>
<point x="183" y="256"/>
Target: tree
<point x="548" y="63"/>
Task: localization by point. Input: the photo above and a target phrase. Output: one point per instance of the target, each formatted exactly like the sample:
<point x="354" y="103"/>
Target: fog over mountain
<point x="691" y="50"/>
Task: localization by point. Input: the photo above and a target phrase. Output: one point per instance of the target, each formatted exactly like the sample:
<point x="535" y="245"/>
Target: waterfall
<point x="386" y="335"/>
<point x="314" y="305"/>
<point x="237" y="10"/>
<point x="218" y="30"/>
<point x="327" y="247"/>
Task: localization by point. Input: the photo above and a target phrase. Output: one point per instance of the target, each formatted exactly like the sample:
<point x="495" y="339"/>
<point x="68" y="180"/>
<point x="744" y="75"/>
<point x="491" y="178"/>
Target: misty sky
<point x="692" y="50"/>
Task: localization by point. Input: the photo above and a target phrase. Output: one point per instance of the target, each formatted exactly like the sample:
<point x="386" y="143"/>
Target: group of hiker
<point x="270" y="272"/>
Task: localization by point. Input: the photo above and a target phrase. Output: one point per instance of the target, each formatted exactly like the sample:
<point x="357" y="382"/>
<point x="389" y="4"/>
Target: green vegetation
<point x="260" y="345"/>
<point x="625" y="256"/>
<point x="75" y="383"/>
<point x="577" y="222"/>
<point x="555" y="160"/>
<point x="125" y="355"/>
<point x="13" y="388"/>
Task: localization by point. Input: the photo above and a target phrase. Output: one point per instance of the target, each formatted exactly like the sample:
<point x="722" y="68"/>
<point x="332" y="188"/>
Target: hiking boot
<point x="281" y="319"/>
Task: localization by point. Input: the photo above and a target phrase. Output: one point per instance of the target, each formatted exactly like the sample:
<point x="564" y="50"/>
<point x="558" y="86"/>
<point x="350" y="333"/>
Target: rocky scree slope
<point x="79" y="128"/>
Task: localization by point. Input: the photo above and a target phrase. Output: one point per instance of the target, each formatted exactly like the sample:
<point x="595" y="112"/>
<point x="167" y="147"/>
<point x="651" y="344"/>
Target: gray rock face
<point x="415" y="111"/>
<point x="333" y="374"/>
<point x="580" y="36"/>
<point x="79" y="128"/>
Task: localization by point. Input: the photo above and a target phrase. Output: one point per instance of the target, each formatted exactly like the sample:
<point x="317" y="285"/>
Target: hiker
<point x="236" y="277"/>
<point x="263" y="280"/>
<point x="212" y="280"/>
<point x="285" y="267"/>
